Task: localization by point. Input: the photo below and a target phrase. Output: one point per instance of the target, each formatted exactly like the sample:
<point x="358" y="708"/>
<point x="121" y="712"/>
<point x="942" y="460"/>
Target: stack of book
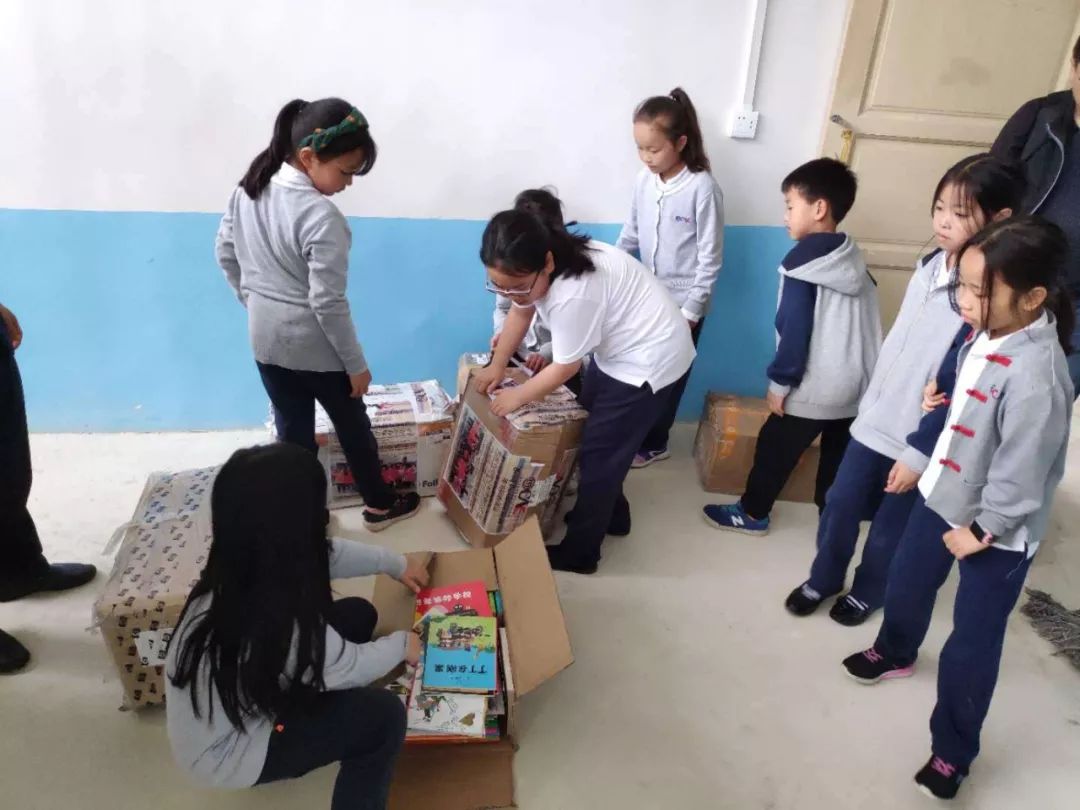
<point x="455" y="693"/>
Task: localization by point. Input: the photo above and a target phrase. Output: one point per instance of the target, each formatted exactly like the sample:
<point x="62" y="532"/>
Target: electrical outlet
<point x="744" y="124"/>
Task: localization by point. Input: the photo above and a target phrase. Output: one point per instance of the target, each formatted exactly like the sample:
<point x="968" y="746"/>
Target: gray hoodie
<point x="910" y="356"/>
<point x="828" y="328"/>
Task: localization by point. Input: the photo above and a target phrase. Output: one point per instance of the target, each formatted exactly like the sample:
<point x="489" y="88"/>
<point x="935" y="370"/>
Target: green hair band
<point x="321" y="138"/>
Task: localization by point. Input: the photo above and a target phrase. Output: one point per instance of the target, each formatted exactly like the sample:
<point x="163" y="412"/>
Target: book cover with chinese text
<point x="461" y="654"/>
<point x="462" y="599"/>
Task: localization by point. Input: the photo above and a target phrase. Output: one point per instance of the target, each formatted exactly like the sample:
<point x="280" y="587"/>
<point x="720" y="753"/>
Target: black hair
<point x="268" y="576"/>
<point x="984" y="182"/>
<point x="1076" y="53"/>
<point x="1027" y="252"/>
<point x="296" y="121"/>
<point x="675" y="115"/>
<point x="824" y="179"/>
<point x="545" y="204"/>
<point x="517" y="242"/>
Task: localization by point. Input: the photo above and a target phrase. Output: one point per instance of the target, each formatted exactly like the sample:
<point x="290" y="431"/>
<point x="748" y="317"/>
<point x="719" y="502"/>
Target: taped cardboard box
<point x="501" y="471"/>
<point x="161" y="554"/>
<point x="725" y="445"/>
<point x="412" y="423"/>
<point x="463" y="776"/>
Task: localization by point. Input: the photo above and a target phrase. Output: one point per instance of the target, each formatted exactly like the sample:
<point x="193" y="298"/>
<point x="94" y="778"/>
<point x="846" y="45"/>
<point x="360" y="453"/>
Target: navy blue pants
<point x="619" y="417"/>
<point x="20" y="548"/>
<point x="858" y="492"/>
<point x="990" y="584"/>
<point x="361" y="728"/>
<point x="293" y="394"/>
<point x="657" y="437"/>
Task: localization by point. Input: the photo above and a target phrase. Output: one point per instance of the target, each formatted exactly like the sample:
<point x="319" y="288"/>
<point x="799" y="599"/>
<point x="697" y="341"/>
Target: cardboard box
<point x="466" y="364"/>
<point x="162" y="551"/>
<point x="412" y="423"/>
<point x="501" y="471"/>
<point x="725" y="444"/>
<point x="480" y="775"/>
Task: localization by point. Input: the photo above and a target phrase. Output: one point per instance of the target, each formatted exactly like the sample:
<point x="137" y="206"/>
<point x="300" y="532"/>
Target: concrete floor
<point x="692" y="687"/>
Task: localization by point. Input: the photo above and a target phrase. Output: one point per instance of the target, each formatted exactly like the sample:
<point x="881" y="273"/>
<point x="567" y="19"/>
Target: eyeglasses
<point x="518" y="292"/>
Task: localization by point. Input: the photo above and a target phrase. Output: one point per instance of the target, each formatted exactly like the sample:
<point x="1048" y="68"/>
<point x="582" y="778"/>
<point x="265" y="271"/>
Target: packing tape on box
<point x="729" y="433"/>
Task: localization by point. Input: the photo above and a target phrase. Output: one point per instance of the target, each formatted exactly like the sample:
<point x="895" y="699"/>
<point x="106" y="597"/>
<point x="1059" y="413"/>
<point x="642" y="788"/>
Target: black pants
<point x="780" y="444"/>
<point x="293" y="394"/>
<point x="619" y="418"/>
<point x="20" y="548"/>
<point x="657" y="438"/>
<point x="363" y="729"/>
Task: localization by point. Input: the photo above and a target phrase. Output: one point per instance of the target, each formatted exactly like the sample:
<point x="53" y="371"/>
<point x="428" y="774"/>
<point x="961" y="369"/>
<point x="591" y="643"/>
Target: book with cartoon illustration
<point x="461" y="655"/>
<point x="445" y="713"/>
<point x="462" y="599"/>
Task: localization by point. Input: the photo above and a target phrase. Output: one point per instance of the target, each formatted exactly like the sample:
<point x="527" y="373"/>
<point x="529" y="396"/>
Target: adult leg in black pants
<point x="293" y="394"/>
<point x="619" y="417"/>
<point x="363" y="729"/>
<point x="655" y="445"/>
<point x="23" y="567"/>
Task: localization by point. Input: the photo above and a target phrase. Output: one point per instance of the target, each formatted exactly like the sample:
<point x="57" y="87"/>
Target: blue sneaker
<point x="733" y="518"/>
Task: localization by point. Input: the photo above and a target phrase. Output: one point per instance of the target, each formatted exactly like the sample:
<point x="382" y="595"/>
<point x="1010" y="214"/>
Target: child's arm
<point x="710" y="250"/>
<point x="225" y="250"/>
<point x="326" y="243"/>
<point x="351" y="559"/>
<point x="516" y="325"/>
<point x="628" y="237"/>
<point x="1032" y="430"/>
<point x="795" y="324"/>
<point x="537" y="388"/>
<point x="349" y="665"/>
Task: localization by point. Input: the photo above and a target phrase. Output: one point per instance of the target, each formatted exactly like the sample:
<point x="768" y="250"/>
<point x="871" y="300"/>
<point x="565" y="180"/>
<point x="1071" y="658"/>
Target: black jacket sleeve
<point x="1010" y="141"/>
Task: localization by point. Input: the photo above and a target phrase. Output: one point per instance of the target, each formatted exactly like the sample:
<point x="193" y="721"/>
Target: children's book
<point x="463" y="599"/>
<point x="461" y="654"/>
<point x="445" y="713"/>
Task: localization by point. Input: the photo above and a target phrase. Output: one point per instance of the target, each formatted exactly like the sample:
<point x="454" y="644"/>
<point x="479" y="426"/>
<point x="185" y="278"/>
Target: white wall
<point x="152" y="105"/>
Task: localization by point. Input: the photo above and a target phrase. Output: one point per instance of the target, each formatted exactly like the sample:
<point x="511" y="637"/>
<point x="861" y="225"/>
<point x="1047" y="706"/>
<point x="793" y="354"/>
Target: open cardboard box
<point x="467" y="776"/>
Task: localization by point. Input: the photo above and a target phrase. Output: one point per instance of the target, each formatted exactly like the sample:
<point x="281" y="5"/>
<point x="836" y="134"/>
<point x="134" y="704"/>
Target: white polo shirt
<point x="621" y="314"/>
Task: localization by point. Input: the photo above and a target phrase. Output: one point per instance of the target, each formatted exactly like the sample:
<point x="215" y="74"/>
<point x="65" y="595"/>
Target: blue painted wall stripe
<point x="130" y="325"/>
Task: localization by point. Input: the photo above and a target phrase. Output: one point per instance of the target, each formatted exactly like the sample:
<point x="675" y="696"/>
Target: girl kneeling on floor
<point x="985" y="498"/>
<point x="266" y="674"/>
<point x="594" y="299"/>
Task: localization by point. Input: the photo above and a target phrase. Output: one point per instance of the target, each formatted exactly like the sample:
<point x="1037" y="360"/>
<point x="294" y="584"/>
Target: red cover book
<point x="462" y="599"/>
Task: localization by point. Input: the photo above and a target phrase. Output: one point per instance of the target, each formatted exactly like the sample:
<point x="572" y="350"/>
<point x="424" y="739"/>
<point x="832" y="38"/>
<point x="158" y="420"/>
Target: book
<point x="445" y="713"/>
<point x="461" y="654"/>
<point x="462" y="599"/>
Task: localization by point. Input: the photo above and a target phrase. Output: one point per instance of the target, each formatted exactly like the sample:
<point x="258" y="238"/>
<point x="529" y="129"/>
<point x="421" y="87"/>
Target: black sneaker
<point x="13" y="655"/>
<point x="939" y="779"/>
<point x="870" y="666"/>
<point x="850" y="611"/>
<point x="404" y="507"/>
<point x="804" y="600"/>
<point x="561" y="561"/>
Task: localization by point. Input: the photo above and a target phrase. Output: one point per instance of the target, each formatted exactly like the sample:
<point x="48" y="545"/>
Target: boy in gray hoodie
<point x="828" y="333"/>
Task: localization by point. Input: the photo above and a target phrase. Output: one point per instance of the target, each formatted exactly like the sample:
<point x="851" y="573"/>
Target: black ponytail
<point x="1028" y="252"/>
<point x="517" y="243"/>
<point x="676" y="117"/>
<point x="269" y="160"/>
<point x="297" y="120"/>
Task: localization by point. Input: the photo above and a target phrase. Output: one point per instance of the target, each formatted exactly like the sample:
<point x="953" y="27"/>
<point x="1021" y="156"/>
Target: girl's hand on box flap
<point x="412" y="649"/>
<point x="508" y="401"/>
<point x="415" y="576"/>
<point x="488" y="378"/>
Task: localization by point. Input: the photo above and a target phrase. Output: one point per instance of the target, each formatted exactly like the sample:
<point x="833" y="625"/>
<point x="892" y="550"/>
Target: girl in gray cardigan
<point x="985" y="498"/>
<point x="284" y="247"/>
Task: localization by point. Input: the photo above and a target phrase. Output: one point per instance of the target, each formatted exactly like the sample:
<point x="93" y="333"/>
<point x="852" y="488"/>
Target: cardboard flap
<point x="535" y="625"/>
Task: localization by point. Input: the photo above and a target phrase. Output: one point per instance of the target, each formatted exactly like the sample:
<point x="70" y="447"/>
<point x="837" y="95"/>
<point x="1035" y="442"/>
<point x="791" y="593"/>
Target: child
<point x="828" y="329"/>
<point x="879" y="468"/>
<point x="676" y="226"/>
<point x="267" y="675"/>
<point x="595" y="299"/>
<point x="985" y="498"/>
<point x="284" y="247"/>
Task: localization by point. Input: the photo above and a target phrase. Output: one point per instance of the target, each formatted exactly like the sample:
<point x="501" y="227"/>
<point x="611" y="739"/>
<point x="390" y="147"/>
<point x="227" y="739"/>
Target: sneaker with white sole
<point x="404" y="508"/>
<point x="870" y="667"/>
<point x="647" y="457"/>
<point x="939" y="779"/>
<point x="733" y="518"/>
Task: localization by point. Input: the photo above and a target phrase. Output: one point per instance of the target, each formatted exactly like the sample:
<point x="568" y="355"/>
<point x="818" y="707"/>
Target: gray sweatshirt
<point x="286" y="255"/>
<point x="677" y="228"/>
<point x="841" y="339"/>
<point x="215" y="752"/>
<point x="1004" y="452"/>
<point x="537" y="339"/>
<point x="910" y="356"/>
